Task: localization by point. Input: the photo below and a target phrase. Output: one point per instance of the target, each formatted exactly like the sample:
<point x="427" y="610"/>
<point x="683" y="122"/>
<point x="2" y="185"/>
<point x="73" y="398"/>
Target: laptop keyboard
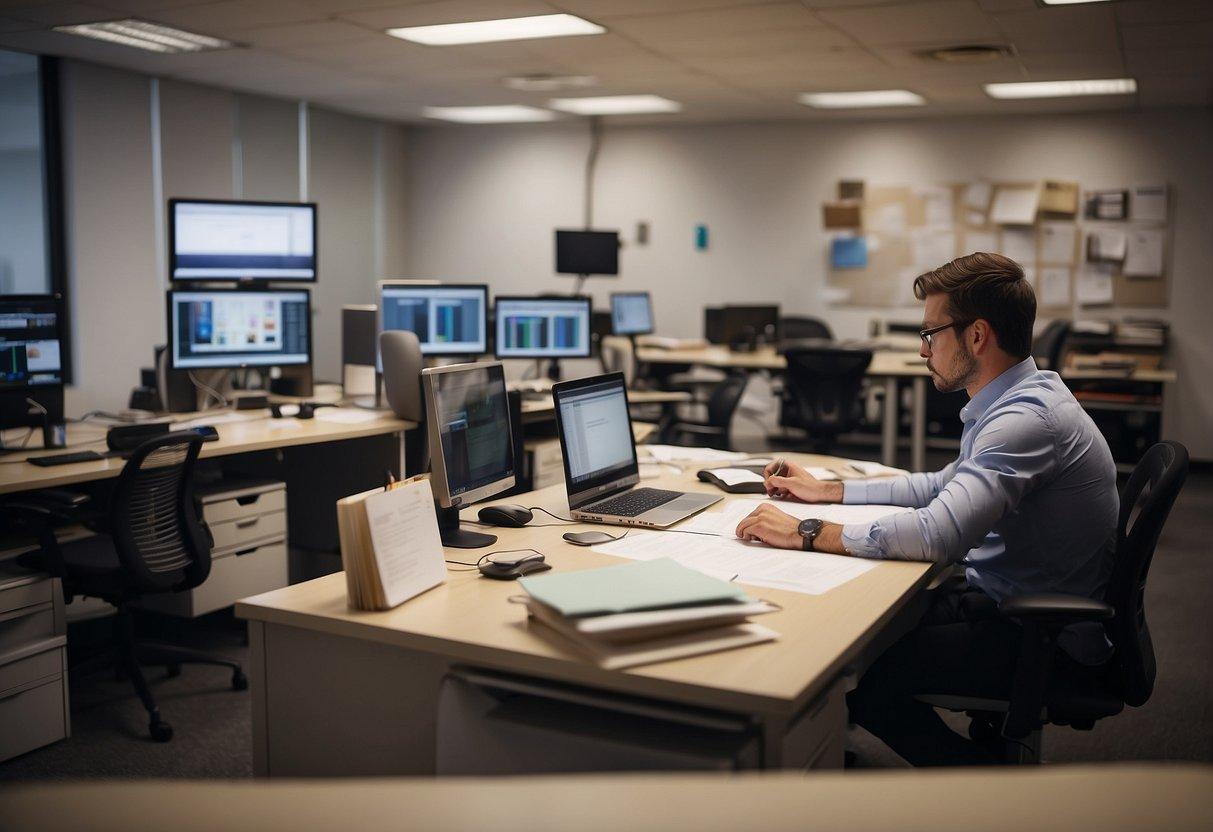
<point x="634" y="503"/>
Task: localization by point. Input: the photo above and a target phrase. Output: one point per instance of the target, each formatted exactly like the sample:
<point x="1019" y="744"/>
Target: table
<point x="1056" y="798"/>
<point x="372" y="709"/>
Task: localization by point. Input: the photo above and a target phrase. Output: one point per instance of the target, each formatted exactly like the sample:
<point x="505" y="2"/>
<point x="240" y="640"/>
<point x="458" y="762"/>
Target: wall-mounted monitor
<point x="448" y="318"/>
<point x="212" y="240"/>
<point x="587" y="252"/>
<point x="539" y="327"/>
<point x="231" y="328"/>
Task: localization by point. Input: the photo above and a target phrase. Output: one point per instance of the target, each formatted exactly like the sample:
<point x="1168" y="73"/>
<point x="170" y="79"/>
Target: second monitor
<point x="448" y="319"/>
<point x="542" y="327"/>
<point x="631" y="313"/>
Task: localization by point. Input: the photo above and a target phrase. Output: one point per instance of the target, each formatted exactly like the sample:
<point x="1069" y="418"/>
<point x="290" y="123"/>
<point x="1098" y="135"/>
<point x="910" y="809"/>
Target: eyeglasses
<point x="927" y="334"/>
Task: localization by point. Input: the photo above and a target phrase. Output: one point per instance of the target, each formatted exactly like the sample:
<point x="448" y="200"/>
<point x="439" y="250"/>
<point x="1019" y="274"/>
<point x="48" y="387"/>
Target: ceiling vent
<point x="969" y="54"/>
<point x="543" y="82"/>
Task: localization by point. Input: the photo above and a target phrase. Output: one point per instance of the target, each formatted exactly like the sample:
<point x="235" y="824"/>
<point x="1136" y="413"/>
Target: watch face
<point x="810" y="526"/>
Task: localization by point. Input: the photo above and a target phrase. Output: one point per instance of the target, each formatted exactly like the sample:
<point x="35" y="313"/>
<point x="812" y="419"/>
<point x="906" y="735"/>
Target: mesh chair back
<point x="822" y="387"/>
<point x="799" y="328"/>
<point x="616" y="356"/>
<point x="1144" y="505"/>
<point x="154" y="520"/>
<point x="723" y="401"/>
<point x="1049" y="345"/>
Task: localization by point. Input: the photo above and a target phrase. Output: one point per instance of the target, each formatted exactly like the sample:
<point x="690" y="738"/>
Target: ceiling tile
<point x="1045" y="66"/>
<point x="754" y="44"/>
<point x="1169" y="61"/>
<point x="63" y="14"/>
<point x="1173" y="91"/>
<point x="1162" y="11"/>
<point x="230" y="16"/>
<point x="1168" y="35"/>
<point x="935" y="21"/>
<point x="729" y="21"/>
<point x="305" y="34"/>
<point x="1061" y="29"/>
<point x="606" y="9"/>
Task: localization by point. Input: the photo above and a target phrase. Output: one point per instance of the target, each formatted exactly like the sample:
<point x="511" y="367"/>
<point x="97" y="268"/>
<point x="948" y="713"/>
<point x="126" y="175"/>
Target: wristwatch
<point x="809" y="529"/>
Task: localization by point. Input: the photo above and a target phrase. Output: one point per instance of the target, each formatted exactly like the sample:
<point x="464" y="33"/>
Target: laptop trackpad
<point x="686" y="504"/>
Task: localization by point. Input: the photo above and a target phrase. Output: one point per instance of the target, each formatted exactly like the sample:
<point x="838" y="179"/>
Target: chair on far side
<point x="1051" y="689"/>
<point x="152" y="540"/>
<point x="803" y="328"/>
<point x="715" y="430"/>
<point x="1049" y="346"/>
<point x="823" y="392"/>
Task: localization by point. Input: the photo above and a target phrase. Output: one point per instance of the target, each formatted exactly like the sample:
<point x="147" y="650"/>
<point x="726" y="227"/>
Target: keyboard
<point x="633" y="503"/>
<point x="64" y="459"/>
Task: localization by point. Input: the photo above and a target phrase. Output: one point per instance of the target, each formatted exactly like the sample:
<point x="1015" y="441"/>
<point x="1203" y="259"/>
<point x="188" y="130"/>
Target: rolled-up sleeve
<point x="1012" y="452"/>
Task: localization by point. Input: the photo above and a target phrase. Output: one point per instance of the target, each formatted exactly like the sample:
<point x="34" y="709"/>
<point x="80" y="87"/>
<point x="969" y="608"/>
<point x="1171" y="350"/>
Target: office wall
<point x="211" y="143"/>
<point x="483" y="203"/>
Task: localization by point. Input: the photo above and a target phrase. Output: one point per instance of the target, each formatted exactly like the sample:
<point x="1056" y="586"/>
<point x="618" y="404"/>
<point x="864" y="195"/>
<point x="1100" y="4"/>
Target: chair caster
<point x="160" y="730"/>
<point x="239" y="680"/>
<point x="173" y="670"/>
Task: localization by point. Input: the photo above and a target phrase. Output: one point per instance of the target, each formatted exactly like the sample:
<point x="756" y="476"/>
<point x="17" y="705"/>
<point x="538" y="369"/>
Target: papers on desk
<point x="346" y="415"/>
<point x="723" y="521"/>
<point x="671" y="453"/>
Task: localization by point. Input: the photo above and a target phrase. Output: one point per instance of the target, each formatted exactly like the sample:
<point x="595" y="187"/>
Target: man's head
<point x="986" y="309"/>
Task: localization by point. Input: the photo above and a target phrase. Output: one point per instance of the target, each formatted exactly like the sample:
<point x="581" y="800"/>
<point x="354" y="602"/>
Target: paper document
<point x="977" y="196"/>
<point x="937" y="206"/>
<point x="404" y="534"/>
<point x="1108" y="244"/>
<point x="723" y="521"/>
<point x="670" y="453"/>
<point x="1057" y="242"/>
<point x="1014" y="205"/>
<point x="1145" y="253"/>
<point x="823" y="474"/>
<point x="979" y="241"/>
<point x="346" y="415"/>
<point x="754" y="564"/>
<point x="1149" y="203"/>
<point x="736" y="476"/>
<point x="1055" y="286"/>
<point x="1019" y="244"/>
<point x="1095" y="285"/>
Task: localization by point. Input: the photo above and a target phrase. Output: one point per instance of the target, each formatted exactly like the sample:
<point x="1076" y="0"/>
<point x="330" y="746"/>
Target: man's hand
<point x="787" y="480"/>
<point x="772" y="526"/>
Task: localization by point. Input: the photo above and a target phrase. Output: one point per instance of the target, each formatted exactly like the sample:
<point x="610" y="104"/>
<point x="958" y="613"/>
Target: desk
<point x="887" y="365"/>
<point x="1057" y="798"/>
<point x="373" y="708"/>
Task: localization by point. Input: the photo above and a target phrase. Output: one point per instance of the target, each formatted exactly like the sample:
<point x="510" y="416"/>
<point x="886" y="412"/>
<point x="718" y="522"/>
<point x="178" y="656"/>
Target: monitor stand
<point x="456" y="537"/>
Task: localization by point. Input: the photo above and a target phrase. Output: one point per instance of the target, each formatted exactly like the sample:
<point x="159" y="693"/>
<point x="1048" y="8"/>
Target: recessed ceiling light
<point x="549" y="83"/>
<point x="862" y="98"/>
<point x="499" y="114"/>
<point x="615" y="105"/>
<point x="487" y="31"/>
<point x="143" y="35"/>
<point x="1061" y="89"/>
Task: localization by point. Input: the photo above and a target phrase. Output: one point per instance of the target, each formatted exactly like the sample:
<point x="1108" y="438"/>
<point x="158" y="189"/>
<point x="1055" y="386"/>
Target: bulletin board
<point x="1045" y="226"/>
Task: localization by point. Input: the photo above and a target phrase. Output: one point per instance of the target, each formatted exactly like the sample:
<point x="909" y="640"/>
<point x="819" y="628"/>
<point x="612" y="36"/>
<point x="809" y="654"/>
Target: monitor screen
<point x="29" y="341"/>
<point x="631" y="313"/>
<point x="595" y="431"/>
<point x="447" y="319"/>
<point x="587" y="252"/>
<point x="529" y="327"/>
<point x="234" y="328"/>
<point x="212" y="240"/>
<point x="748" y="323"/>
<point x="469" y="426"/>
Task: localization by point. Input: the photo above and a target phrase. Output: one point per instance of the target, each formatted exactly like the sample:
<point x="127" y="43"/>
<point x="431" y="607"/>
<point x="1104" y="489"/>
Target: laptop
<point x="600" y="467"/>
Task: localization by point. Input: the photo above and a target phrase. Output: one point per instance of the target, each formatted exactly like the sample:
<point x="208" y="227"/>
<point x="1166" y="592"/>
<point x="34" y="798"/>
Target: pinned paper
<point x="1144" y="257"/>
<point x="1106" y="205"/>
<point x="1058" y="241"/>
<point x="1055" y="286"/>
<point x="1019" y="244"/>
<point x="937" y="206"/>
<point x="849" y="253"/>
<point x="1149" y="203"/>
<point x="841" y="215"/>
<point x="1095" y="285"/>
<point x="1106" y="244"/>
<point x="890" y="219"/>
<point x="1059" y="198"/>
<point x="932" y="249"/>
<point x="975" y="241"/>
<point x="1014" y="205"/>
<point x="977" y="196"/>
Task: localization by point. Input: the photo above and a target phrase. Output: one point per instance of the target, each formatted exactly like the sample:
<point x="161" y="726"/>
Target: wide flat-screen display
<point x="29" y="341"/>
<point x="233" y="328"/>
<point x="537" y="327"/>
<point x="234" y="240"/>
<point x="448" y="319"/>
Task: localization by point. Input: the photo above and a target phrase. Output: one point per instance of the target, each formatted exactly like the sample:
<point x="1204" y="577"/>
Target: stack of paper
<point x="639" y="613"/>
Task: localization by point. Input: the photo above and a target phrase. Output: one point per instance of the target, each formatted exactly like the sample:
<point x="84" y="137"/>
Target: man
<point x="1030" y="505"/>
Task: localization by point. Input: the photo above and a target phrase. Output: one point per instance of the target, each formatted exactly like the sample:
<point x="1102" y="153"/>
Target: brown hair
<point x="990" y="287"/>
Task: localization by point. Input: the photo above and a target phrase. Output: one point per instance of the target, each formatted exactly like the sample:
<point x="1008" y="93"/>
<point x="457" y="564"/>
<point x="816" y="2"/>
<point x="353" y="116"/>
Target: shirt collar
<point x="993" y="391"/>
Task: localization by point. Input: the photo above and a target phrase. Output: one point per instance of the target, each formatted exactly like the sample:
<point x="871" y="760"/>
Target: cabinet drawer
<point x="233" y="576"/>
<point x="33" y="666"/>
<point x="242" y="505"/>
<point x="24" y="592"/>
<point x="20" y="627"/>
<point x="32" y="718"/>
<point x="238" y="534"/>
<point x="811" y="741"/>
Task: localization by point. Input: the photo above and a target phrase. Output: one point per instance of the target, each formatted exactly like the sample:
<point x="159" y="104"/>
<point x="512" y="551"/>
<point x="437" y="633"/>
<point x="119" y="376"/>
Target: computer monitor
<point x="31" y="361"/>
<point x="743" y="325"/>
<point x="587" y="252"/>
<point x="538" y="327"/>
<point x="631" y="313"/>
<point x="232" y="328"/>
<point x="471" y="445"/>
<point x="448" y="319"/>
<point x="239" y="240"/>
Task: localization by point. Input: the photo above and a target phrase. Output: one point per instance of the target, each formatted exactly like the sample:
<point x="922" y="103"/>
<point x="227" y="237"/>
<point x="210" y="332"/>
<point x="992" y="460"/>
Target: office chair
<point x="801" y="328"/>
<point x="1048" y="346"/>
<point x="715" y="430"/>
<point x="823" y="392"/>
<point x="152" y="540"/>
<point x="1067" y="693"/>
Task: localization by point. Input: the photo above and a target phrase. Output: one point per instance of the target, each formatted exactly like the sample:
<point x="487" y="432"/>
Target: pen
<point x="780" y="471"/>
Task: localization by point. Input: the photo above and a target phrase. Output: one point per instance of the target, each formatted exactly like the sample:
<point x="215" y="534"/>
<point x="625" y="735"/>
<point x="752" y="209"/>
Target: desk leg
<point x="888" y="439"/>
<point x="918" y="435"/>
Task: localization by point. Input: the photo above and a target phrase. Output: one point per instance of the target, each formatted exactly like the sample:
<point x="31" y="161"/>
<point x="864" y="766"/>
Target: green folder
<point x="630" y="587"/>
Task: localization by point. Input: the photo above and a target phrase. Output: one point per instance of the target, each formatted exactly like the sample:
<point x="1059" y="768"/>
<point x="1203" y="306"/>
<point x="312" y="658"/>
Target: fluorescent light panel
<point x="1070" y="2"/>
<point x="488" y="31"/>
<point x="1062" y="89"/>
<point x="141" y="34"/>
<point x="498" y="114"/>
<point x="862" y="98"/>
<point x="615" y="105"/>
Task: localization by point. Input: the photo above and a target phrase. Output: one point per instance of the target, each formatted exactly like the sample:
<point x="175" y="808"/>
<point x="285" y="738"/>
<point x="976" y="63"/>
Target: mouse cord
<point x="549" y="514"/>
<point x="475" y="566"/>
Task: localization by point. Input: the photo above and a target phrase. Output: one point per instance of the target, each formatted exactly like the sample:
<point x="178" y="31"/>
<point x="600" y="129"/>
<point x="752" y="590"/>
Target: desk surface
<point x="256" y="434"/>
<point x="884" y="363"/>
<point x="470" y="619"/>
<point x="1054" y="798"/>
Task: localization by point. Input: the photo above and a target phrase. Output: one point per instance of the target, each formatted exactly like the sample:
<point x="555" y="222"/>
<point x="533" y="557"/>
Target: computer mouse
<point x="588" y="538"/>
<point x="507" y="514"/>
<point x="508" y="568"/>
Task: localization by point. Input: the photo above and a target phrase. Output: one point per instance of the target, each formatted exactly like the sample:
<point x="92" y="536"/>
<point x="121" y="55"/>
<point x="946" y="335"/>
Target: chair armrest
<point x="1055" y="609"/>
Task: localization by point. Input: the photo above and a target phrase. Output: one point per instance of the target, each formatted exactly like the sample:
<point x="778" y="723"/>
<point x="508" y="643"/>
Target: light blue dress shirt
<point x="1030" y="505"/>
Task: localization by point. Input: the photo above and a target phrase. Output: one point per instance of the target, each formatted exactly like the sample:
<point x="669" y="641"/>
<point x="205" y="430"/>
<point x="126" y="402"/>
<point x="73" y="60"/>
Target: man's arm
<point x="1012" y="453"/>
<point x="913" y="490"/>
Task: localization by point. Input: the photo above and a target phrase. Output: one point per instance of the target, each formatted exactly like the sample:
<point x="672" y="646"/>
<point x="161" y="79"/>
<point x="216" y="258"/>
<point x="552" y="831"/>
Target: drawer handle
<point x="248" y="499"/>
<point x="247" y="551"/>
<point x="244" y="524"/>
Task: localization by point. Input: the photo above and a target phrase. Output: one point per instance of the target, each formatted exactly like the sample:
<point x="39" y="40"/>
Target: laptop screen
<point x="595" y="432"/>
